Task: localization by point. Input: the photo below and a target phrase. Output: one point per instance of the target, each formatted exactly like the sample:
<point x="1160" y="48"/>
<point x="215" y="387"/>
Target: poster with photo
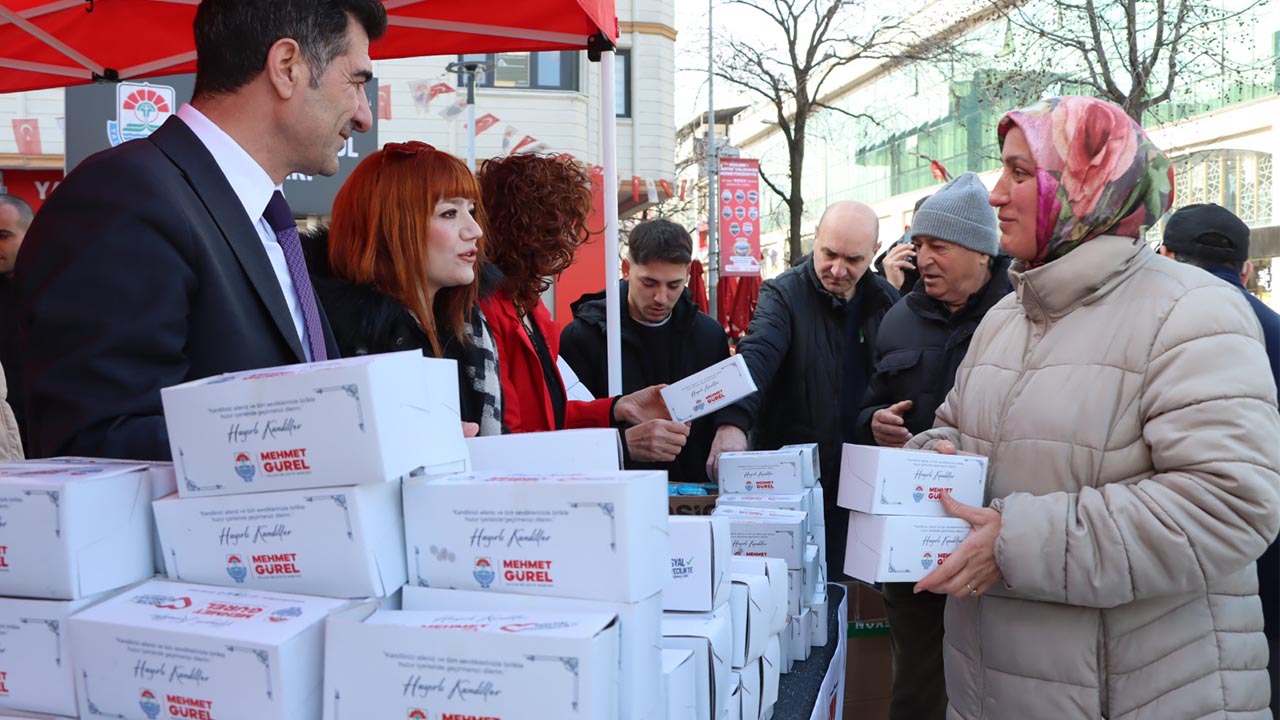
<point x="739" y="212"/>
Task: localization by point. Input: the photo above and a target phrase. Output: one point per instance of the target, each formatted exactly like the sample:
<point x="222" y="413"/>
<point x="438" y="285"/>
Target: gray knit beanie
<point x="959" y="213"/>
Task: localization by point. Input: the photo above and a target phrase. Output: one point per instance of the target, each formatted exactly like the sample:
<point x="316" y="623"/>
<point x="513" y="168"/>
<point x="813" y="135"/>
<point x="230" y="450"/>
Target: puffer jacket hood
<point x="1136" y="473"/>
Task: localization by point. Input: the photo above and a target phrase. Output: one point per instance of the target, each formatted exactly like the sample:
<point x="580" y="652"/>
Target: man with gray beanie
<point x="921" y="343"/>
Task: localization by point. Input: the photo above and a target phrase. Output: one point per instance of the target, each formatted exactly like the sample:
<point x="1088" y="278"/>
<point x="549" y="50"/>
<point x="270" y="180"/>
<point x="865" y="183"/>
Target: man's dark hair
<point x="1213" y="240"/>
<point x="25" y="213"/>
<point x="233" y="36"/>
<point x="660" y="240"/>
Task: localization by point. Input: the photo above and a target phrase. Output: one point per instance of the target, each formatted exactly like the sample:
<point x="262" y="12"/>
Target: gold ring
<point x="971" y="590"/>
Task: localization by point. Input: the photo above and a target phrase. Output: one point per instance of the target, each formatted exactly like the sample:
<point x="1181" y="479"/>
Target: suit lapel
<point x="186" y="151"/>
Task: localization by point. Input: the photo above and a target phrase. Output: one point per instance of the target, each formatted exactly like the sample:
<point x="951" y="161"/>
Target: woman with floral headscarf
<point x="1126" y="406"/>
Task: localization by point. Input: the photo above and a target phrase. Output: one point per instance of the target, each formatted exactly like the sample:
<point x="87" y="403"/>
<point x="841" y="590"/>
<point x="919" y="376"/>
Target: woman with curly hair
<point x="396" y="270"/>
<point x="537" y="207"/>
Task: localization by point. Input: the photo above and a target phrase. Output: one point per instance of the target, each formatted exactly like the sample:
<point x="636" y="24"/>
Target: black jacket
<point x="794" y="349"/>
<point x="920" y="346"/>
<point x="698" y="342"/>
<point x="366" y="321"/>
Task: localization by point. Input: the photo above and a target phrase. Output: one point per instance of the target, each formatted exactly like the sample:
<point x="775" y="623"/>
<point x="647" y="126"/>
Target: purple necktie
<point x="280" y="218"/>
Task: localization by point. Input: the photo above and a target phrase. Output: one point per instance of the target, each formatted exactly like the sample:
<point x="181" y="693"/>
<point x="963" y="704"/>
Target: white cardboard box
<point x="706" y="391"/>
<point x="229" y="653"/>
<point x="818" y="617"/>
<point x="71" y="531"/>
<point x="710" y="637"/>
<point x="734" y="709"/>
<point x="766" y="533"/>
<point x="810" y="452"/>
<point x="775" y="571"/>
<point x="751" y="604"/>
<point x="784" y="646"/>
<point x="367" y="419"/>
<point x="752" y="691"/>
<point x="806" y="631"/>
<point x="811" y="572"/>
<point x="892" y="481"/>
<point x="795" y="591"/>
<point x="443" y="664"/>
<point x="639" y="634"/>
<point x="770" y="672"/>
<point x="899" y="548"/>
<point x="795" y="502"/>
<point x="819" y="505"/>
<point x="337" y="542"/>
<point x="586" y="450"/>
<point x="799" y="631"/>
<point x="762" y="472"/>
<point x="700" y="554"/>
<point x="37" y="675"/>
<point x="678" y="675"/>
<point x="600" y="537"/>
<point x="19" y="715"/>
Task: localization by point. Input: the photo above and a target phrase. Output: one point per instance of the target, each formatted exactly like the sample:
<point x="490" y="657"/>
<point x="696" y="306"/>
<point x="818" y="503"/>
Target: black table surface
<point x="798" y="689"/>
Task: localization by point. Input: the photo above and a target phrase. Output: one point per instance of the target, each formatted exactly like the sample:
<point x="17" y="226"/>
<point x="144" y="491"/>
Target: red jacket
<point x="524" y="387"/>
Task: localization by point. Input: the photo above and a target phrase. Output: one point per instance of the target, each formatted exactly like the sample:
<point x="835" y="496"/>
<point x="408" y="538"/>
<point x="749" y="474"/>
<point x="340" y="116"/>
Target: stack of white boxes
<point x="72" y="532"/>
<point x="697" y="615"/>
<point x="528" y="592"/>
<point x="773" y="505"/>
<point x="899" y="530"/>
<point x="289" y="478"/>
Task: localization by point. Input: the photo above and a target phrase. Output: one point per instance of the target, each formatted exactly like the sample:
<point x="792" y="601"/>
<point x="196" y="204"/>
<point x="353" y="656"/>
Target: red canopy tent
<point x="53" y="43"/>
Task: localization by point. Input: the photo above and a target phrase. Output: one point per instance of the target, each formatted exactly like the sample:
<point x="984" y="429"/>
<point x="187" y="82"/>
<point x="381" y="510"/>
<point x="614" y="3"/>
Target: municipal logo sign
<point x="483" y="572"/>
<point x="926" y="562"/>
<point x="147" y="702"/>
<point x="141" y="108"/>
<point x="244" y="467"/>
<point x="236" y="568"/>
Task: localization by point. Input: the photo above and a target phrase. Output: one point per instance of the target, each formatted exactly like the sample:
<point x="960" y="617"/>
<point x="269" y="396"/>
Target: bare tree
<point x="807" y="42"/>
<point x="1131" y="52"/>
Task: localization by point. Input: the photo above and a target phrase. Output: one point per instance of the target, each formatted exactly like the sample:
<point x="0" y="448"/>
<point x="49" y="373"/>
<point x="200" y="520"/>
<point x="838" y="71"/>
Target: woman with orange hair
<point x="537" y="207"/>
<point x="396" y="269"/>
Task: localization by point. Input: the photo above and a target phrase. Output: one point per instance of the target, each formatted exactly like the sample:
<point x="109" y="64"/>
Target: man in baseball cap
<point x="1211" y="237"/>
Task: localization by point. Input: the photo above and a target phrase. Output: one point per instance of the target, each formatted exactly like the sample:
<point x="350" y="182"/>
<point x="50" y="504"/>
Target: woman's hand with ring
<point x="971" y="568"/>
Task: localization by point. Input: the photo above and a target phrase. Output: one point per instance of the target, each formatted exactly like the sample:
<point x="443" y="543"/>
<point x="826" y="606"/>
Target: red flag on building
<point x="26" y="131"/>
<point x="486" y="121"/>
<point x="683" y="183"/>
<point x="636" y="182"/>
<point x="384" y="102"/>
<point x="666" y="188"/>
<point x="526" y="140"/>
<point x="939" y="172"/>
<point x="440" y="88"/>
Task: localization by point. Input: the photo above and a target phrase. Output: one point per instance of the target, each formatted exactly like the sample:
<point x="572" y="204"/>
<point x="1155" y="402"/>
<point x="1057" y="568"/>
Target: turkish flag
<point x="439" y="88"/>
<point x="486" y="121"/>
<point x="939" y="171"/>
<point x="384" y="102"/>
<point x="684" y="183"/>
<point x="666" y="188"/>
<point x="526" y="140"/>
<point x="636" y="182"/>
<point x="26" y="131"/>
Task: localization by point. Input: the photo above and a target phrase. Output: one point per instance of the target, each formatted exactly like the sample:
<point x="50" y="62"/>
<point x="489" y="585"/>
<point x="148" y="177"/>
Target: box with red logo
<point x="639" y="631"/>
<point x="593" y="537"/>
<point x="706" y="391"/>
<point x="361" y="420"/>
<point x="795" y="502"/>
<point x="460" y="665"/>
<point x="899" y="548"/>
<point x="163" y="482"/>
<point x="765" y="472"/>
<point x="766" y="533"/>
<point x="337" y="542"/>
<point x="582" y="450"/>
<point x="170" y="649"/>
<point x="892" y="481"/>
<point x="35" y="667"/>
<point x="19" y="715"/>
<point x="70" y="531"/>
<point x="700" y="552"/>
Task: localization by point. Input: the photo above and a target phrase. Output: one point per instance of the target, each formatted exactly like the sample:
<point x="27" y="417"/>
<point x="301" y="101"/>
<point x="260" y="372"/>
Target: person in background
<point x="176" y="257"/>
<point x="537" y="208"/>
<point x="664" y="337"/>
<point x="1212" y="238"/>
<point x="809" y="348"/>
<point x="1128" y="412"/>
<point x="920" y="345"/>
<point x="15" y="218"/>
<point x="396" y="269"/>
<point x="898" y="263"/>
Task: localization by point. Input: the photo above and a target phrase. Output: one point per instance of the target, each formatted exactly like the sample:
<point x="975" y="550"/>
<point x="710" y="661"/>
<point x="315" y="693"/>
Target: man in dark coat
<point x="1211" y="237"/>
<point x="921" y="343"/>
<point x="809" y="349"/>
<point x="665" y="338"/>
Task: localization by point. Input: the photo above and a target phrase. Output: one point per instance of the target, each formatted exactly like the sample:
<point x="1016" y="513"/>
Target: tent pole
<point x="609" y="159"/>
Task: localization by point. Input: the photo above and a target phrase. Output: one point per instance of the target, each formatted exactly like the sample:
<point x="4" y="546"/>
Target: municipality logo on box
<point x="141" y="108"/>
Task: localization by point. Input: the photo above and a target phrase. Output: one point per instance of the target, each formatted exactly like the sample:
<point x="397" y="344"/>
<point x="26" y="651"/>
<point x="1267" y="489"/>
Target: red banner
<point x="26" y="131"/>
<point x="33" y="186"/>
<point x="740" y="216"/>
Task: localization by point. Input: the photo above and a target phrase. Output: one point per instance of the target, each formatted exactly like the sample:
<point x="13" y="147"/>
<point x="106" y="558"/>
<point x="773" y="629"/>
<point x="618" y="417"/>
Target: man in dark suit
<point x="175" y="257"/>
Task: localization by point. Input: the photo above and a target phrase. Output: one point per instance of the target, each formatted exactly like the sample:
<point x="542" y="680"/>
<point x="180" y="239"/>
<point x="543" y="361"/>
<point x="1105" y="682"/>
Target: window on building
<point x="622" y="84"/>
<point x="551" y="70"/>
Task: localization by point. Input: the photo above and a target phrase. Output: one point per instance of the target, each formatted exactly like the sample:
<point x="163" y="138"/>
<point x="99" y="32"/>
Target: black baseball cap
<point x="1208" y="232"/>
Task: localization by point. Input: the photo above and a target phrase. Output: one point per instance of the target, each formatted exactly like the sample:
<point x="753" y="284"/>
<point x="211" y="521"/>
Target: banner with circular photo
<point x="740" y="198"/>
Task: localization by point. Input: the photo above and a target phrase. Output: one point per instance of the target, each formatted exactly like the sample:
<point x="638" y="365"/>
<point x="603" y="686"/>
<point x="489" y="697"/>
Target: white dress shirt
<point x="254" y="188"/>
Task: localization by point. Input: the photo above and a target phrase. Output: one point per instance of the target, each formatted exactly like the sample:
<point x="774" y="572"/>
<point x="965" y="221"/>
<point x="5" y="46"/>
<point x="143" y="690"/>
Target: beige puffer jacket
<point x="1129" y="413"/>
<point x="10" y="442"/>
